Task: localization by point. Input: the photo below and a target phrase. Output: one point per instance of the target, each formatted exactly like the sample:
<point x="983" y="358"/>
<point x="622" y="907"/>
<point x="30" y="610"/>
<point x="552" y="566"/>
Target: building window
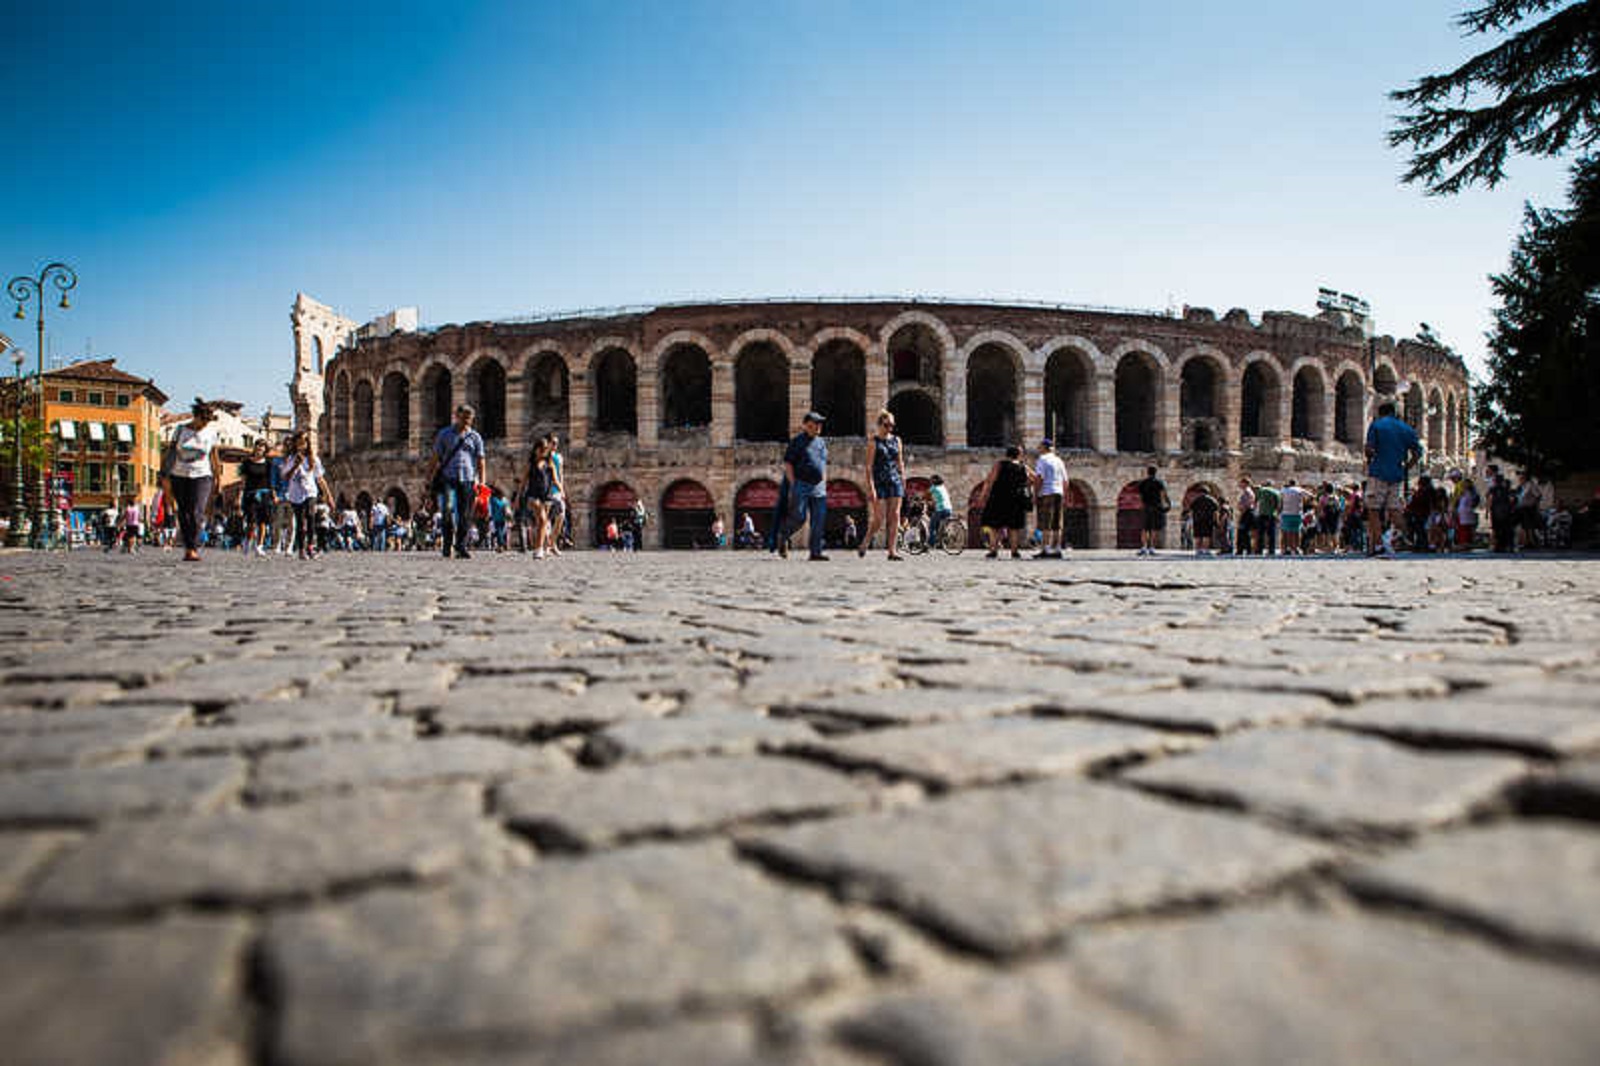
<point x="125" y="478"/>
<point x="97" y="477"/>
<point x="123" y="399"/>
<point x="65" y="396"/>
<point x="95" y="399"/>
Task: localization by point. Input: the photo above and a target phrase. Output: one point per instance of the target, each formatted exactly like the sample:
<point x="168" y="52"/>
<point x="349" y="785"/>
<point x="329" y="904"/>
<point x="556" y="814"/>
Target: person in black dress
<point x="1006" y="502"/>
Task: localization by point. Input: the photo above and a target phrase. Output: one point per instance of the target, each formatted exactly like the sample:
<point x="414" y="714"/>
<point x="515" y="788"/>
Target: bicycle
<point x="953" y="536"/>
<point x="916" y="538"/>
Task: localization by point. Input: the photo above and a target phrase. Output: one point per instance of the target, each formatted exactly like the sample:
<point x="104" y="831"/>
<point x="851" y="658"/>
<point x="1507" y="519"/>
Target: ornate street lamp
<point x="21" y="289"/>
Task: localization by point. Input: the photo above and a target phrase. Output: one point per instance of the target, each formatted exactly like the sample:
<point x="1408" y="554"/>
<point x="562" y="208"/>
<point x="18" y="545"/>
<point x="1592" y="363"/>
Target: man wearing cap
<point x="1049" y="483"/>
<point x="805" y="465"/>
<point x="1392" y="445"/>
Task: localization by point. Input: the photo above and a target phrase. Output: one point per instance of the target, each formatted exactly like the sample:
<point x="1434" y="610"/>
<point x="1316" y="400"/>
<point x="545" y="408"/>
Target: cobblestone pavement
<point x="712" y="810"/>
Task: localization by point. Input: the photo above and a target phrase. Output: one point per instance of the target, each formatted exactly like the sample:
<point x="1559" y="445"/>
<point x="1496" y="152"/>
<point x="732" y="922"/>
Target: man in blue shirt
<point x="805" y="466"/>
<point x="459" y="467"/>
<point x="1392" y="445"/>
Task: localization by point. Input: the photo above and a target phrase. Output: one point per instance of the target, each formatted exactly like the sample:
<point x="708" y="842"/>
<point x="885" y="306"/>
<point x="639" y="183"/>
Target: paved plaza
<point x="721" y="809"/>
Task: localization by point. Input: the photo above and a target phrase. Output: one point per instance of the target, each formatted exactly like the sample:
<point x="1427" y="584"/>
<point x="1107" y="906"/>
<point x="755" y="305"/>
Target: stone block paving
<point x="725" y="810"/>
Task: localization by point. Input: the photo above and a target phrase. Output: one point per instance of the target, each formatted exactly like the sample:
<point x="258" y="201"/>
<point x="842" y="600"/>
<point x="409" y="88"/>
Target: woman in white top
<point x="188" y="473"/>
<point x="302" y="471"/>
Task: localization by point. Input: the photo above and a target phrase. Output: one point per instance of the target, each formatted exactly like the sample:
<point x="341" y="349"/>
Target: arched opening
<point x="1452" y="442"/>
<point x="917" y="418"/>
<point x="1413" y="407"/>
<point x="486" y="392"/>
<point x="398" y="502"/>
<point x="1075" y="515"/>
<point x="761" y="393"/>
<point x="395" y="419"/>
<point x="839" y="387"/>
<point x="845" y="500"/>
<point x="438" y="402"/>
<point x="687" y="511"/>
<point x="757" y="499"/>
<point x="991" y="398"/>
<point x="1436" y="421"/>
<point x="1348" y="413"/>
<point x="363" y="414"/>
<point x="612" y="502"/>
<point x="548" y="392"/>
<point x="685" y="387"/>
<point x="1306" y="411"/>
<point x="1384" y="382"/>
<point x="1068" y="392"/>
<point x="1138" y="380"/>
<point x="364" y="506"/>
<point x="616" y="394"/>
<point x="316" y="348"/>
<point x="341" y="412"/>
<point x="1130" y="516"/>
<point x="916" y="356"/>
<point x="1258" y="402"/>
<point x="1200" y="405"/>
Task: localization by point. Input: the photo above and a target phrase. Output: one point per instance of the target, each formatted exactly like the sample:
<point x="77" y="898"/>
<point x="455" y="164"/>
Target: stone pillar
<point x="647" y="405"/>
<point x="1103" y="525"/>
<point x="799" y="393"/>
<point x="517" y="412"/>
<point x="955" y="403"/>
<point x="1324" y="425"/>
<point x="1103" y="412"/>
<point x="1229" y="414"/>
<point x="416" y="433"/>
<point x="1031" y="426"/>
<point x="578" y="408"/>
<point x="877" y="390"/>
<point x="723" y="413"/>
<point x="1168" y="427"/>
<point x="1285" y="414"/>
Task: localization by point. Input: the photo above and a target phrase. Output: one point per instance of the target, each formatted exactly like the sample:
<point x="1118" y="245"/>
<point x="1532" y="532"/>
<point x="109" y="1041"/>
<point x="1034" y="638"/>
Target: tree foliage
<point x="1535" y="93"/>
<point x="1540" y="405"/>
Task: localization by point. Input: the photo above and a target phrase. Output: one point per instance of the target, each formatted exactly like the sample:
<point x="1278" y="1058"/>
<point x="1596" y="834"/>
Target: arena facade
<point x="687" y="407"/>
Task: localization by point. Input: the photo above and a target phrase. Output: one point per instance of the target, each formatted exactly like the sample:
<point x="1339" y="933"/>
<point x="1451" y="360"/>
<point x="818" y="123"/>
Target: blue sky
<point x="198" y="164"/>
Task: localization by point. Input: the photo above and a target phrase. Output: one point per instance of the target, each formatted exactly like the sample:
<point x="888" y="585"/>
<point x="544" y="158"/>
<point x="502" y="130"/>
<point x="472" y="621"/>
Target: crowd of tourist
<point x="286" y="506"/>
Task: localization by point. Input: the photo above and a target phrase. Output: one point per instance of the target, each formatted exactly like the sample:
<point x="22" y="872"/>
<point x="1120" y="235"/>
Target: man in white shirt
<point x="1049" y="485"/>
<point x="1293" y="516"/>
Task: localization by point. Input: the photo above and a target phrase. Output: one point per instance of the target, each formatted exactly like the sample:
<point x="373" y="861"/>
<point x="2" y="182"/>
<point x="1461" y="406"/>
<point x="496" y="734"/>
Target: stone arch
<point x="1349" y="407"/>
<point x="839" y="386"/>
<point x="1142" y="347"/>
<point x="438" y="399"/>
<point x="1077" y="514"/>
<point x="758" y="498"/>
<point x="1138" y="384"/>
<point x="399" y="504"/>
<point x="549" y="390"/>
<point x="1452" y="442"/>
<point x="1202" y="377"/>
<point x="761" y="390"/>
<point x="1069" y="385"/>
<point x="917" y="417"/>
<point x="394" y="415"/>
<point x="613" y="499"/>
<point x="486" y="392"/>
<point x="1260" y="386"/>
<point x="362" y="412"/>
<point x="1385" y="382"/>
<point x="1413" y="408"/>
<point x="995" y="362"/>
<point x="1308" y="403"/>
<point x="685" y="386"/>
<point x="341" y="411"/>
<point x="687" y="510"/>
<point x="614" y="384"/>
<point x="1435" y="420"/>
<point x="916" y="347"/>
<point x="364" y="506"/>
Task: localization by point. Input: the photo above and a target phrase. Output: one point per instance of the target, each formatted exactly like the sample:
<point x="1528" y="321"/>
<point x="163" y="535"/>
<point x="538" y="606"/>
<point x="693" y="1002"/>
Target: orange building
<point x="105" y="434"/>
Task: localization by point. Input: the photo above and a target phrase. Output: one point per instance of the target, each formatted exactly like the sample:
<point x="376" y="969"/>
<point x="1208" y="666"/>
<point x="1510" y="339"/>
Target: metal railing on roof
<point x="625" y="310"/>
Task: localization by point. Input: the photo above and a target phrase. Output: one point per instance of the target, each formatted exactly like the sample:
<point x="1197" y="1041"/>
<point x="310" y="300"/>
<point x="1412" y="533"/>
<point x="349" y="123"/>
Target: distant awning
<point x="69" y="429"/>
<point x="125" y="432"/>
<point x="97" y="431"/>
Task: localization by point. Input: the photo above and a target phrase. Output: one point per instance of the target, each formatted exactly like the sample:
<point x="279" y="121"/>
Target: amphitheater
<point x="687" y="406"/>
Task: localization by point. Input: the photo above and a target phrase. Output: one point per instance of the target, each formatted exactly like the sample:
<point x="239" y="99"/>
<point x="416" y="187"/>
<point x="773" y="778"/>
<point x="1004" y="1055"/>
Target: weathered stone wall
<point x="1321" y="380"/>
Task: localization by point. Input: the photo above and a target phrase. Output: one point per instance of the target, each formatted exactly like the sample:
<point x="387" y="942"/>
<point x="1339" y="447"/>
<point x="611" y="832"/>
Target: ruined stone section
<point x="348" y="765"/>
<point x="1118" y="390"/>
<point x="1249" y="989"/>
<point x="84" y="795"/>
<point x="1336" y="782"/>
<point x="170" y="992"/>
<point x="278" y="854"/>
<point x="673" y="799"/>
<point x="1537" y="883"/>
<point x="1005" y="870"/>
<point x="564" y="946"/>
<point x="988" y="752"/>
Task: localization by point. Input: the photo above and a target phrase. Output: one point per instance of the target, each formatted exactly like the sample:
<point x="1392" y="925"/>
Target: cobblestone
<point x="723" y="810"/>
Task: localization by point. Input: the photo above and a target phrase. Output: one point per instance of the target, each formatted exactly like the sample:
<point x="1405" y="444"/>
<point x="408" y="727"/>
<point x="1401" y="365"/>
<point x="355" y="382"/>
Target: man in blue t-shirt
<point x="458" y="459"/>
<point x="1392" y="445"/>
<point x="805" y="467"/>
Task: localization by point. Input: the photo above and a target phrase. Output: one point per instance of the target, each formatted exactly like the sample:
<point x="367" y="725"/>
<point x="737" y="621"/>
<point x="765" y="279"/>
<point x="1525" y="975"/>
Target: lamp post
<point x="21" y="289"/>
<point x="19" y="508"/>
